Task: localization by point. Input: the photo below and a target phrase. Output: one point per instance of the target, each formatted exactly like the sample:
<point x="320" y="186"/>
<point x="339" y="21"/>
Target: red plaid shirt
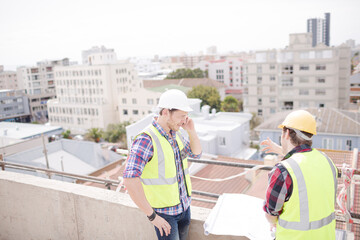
<point x="142" y="151"/>
<point x="280" y="185"/>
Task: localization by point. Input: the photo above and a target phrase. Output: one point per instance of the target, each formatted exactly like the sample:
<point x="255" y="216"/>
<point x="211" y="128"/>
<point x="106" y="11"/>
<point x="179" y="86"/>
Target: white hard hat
<point x="174" y="99"/>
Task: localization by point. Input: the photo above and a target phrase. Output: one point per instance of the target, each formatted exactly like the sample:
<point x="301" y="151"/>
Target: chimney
<point x="213" y="112"/>
<point x="205" y="111"/>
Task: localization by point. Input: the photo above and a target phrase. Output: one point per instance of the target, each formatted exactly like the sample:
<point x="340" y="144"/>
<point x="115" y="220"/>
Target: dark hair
<point x="297" y="141"/>
<point x="170" y="110"/>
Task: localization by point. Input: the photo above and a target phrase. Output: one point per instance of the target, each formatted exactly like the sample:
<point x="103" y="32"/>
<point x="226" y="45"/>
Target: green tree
<point x="94" y="134"/>
<point x="209" y="96"/>
<point x="186" y="73"/>
<point x="230" y="104"/>
<point x="66" y="134"/>
<point x="255" y="121"/>
<point x="116" y="132"/>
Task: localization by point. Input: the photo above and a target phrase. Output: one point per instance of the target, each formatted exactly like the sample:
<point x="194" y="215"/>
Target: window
<point x="272" y="89"/>
<point x="259" y="69"/>
<point x="303" y="92"/>
<point x="348" y="145"/>
<point x="320" y="67"/>
<point x="321" y="105"/>
<point x="272" y="67"/>
<point x="259" y="80"/>
<point x="259" y="101"/>
<point x="125" y="112"/>
<point x="124" y="100"/>
<point x="320" y="92"/>
<point x="327" y="143"/>
<point x="287" y="69"/>
<point x="150" y="101"/>
<point x="222" y="141"/>
<point x="339" y="144"/>
<point x="287" y="81"/>
<point x="304" y="80"/>
<point x="259" y="90"/>
<point x="272" y="78"/>
<point x="134" y="100"/>
<point x="272" y="110"/>
<point x="135" y="112"/>
<point x="272" y="99"/>
<point x="304" y="67"/>
<point x="260" y="112"/>
<point x="320" y="80"/>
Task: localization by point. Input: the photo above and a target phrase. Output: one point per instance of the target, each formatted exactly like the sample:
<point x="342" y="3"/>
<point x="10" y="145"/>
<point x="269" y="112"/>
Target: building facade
<point x="87" y="95"/>
<point x="14" y="106"/>
<point x="229" y="72"/>
<point x="298" y="76"/>
<point x="8" y="79"/>
<point x="38" y="82"/>
<point x="320" y="29"/>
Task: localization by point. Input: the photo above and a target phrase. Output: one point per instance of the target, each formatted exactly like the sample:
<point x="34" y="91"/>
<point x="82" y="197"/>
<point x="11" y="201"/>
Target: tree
<point x="116" y="132"/>
<point x="94" y="134"/>
<point x="255" y="121"/>
<point x="230" y="104"/>
<point x="209" y="96"/>
<point x="186" y="73"/>
<point x="66" y="134"/>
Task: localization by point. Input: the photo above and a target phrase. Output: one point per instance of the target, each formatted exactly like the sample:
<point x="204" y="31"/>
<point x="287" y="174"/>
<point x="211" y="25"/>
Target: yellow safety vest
<point x="159" y="177"/>
<point x="310" y="211"/>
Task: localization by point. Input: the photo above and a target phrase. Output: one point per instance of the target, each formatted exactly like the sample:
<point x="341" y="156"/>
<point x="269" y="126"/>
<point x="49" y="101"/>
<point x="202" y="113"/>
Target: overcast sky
<point x="34" y="30"/>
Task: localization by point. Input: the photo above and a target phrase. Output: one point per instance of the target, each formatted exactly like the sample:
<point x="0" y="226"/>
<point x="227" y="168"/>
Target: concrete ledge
<point x="39" y="208"/>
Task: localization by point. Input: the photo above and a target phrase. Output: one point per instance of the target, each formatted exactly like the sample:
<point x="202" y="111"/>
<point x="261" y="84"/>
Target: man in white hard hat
<point x="300" y="198"/>
<point x="157" y="174"/>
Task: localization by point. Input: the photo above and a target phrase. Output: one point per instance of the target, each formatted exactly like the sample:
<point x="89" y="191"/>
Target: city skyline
<point x="36" y="30"/>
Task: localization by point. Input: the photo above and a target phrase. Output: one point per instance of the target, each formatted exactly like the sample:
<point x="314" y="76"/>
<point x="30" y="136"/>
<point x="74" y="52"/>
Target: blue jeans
<point x="179" y="226"/>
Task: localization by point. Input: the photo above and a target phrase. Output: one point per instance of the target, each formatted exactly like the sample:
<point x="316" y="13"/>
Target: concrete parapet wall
<point x="39" y="208"/>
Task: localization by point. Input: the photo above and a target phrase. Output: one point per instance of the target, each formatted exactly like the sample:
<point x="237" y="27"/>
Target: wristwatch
<point x="152" y="216"/>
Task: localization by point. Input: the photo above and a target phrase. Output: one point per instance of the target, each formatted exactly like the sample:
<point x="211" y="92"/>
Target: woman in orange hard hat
<point x="300" y="198"/>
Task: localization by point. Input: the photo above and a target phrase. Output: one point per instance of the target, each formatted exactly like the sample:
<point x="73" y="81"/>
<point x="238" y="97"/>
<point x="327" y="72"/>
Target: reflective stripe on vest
<point x="305" y="223"/>
<point x="161" y="180"/>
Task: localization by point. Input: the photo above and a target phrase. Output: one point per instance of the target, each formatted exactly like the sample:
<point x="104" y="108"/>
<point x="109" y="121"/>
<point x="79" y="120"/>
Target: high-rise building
<point x="88" y="95"/>
<point x="39" y="85"/>
<point x="8" y="79"/>
<point x="299" y="76"/>
<point x="320" y="29"/>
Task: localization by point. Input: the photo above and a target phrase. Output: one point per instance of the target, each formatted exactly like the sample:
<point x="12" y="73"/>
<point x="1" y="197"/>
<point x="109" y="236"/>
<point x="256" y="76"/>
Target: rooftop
<point x="185" y="82"/>
<point x="329" y="121"/>
<point x="26" y="130"/>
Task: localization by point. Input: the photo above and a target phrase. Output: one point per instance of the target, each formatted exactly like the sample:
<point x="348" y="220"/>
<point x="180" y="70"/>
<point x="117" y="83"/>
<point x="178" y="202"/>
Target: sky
<point x="35" y="30"/>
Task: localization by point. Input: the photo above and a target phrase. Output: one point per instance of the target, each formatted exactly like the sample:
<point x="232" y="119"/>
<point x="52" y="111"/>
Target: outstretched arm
<point x="271" y="147"/>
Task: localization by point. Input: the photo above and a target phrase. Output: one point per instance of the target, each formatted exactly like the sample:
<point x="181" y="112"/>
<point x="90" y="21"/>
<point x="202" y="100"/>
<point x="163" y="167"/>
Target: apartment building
<point x="355" y="88"/>
<point x="190" y="61"/>
<point x="14" y="106"/>
<point x="320" y="29"/>
<point x="299" y="76"/>
<point x="38" y="82"/>
<point x="229" y="72"/>
<point x="8" y="79"/>
<point x="87" y="95"/>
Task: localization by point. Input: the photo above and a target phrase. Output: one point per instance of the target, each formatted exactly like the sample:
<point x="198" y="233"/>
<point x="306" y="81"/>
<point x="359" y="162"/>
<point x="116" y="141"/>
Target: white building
<point x="229" y="72"/>
<point x="87" y="95"/>
<point x="220" y="133"/>
<point x="39" y="84"/>
<point x="8" y="79"/>
<point x="298" y="76"/>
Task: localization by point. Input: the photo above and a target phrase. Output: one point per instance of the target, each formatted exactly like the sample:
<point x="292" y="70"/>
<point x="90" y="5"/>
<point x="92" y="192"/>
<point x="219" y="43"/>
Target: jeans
<point x="179" y="226"/>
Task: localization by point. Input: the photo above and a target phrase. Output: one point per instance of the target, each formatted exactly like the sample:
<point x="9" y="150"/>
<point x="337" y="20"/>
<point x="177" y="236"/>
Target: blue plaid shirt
<point x="142" y="151"/>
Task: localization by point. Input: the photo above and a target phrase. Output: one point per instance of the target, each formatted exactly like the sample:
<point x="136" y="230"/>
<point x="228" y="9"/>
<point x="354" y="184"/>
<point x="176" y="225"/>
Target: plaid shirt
<point x="142" y="151"/>
<point x="280" y="184"/>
